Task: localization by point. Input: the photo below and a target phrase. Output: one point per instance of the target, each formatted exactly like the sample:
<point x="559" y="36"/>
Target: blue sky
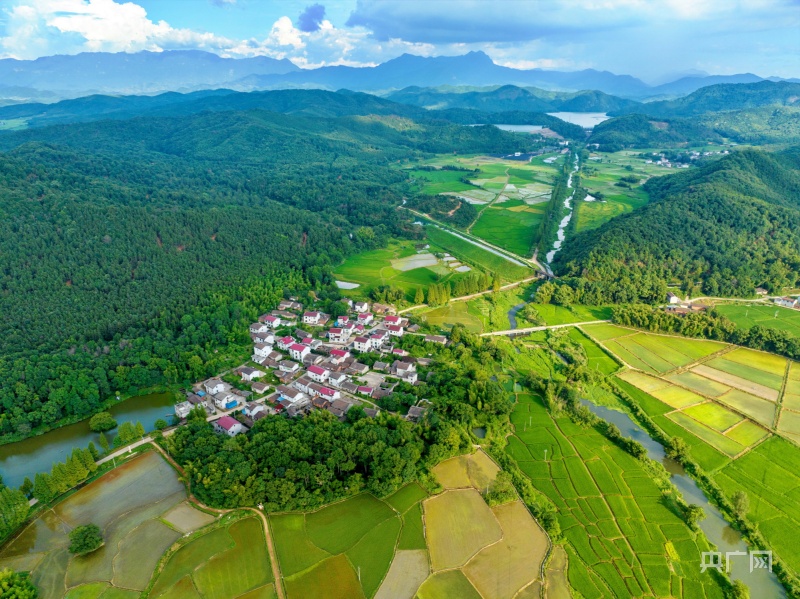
<point x="646" y="38"/>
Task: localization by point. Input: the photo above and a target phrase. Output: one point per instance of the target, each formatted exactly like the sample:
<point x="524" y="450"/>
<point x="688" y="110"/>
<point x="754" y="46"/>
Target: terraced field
<point x="622" y="540"/>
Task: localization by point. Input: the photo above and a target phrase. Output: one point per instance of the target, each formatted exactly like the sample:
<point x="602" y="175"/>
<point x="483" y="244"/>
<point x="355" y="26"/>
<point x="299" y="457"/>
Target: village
<point x="291" y="372"/>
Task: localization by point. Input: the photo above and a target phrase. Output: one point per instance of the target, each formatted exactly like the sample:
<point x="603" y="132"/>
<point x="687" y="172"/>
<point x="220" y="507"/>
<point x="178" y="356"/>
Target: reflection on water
<point x="38" y="454"/>
<point x="762" y="583"/>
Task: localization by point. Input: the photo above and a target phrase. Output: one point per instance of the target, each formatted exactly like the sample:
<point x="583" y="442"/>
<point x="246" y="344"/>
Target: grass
<point x="605" y="331"/>
<point x="339" y="526"/>
<point x="373" y="554"/>
<point x="477" y="256"/>
<point x="243" y="568"/>
<point x="502" y="569"/>
<point x="552" y="314"/>
<point x="598" y="359"/>
<point x="334" y="574"/>
<point x="714" y="416"/>
<point x="603" y="493"/>
<point x="512" y="225"/>
<point x="452" y="314"/>
<point x="769" y="475"/>
<point x="435" y="182"/>
<point x="374" y="268"/>
<point x="412" y="535"/>
<point x="446" y="585"/>
<point x="772" y="317"/>
<point x="295" y="550"/>
<point x="406" y="497"/>
<point x="747" y="433"/>
<point x="458" y="525"/>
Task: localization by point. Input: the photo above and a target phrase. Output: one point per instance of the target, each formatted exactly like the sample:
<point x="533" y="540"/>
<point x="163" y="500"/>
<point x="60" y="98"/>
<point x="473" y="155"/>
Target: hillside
<point x="512" y="98"/>
<point x="764" y="125"/>
<point x="641" y="131"/>
<point x="723" y="97"/>
<point x="135" y="246"/>
<point x="731" y="225"/>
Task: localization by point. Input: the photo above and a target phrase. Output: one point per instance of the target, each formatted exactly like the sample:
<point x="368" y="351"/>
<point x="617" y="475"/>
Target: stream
<point x="763" y="584"/>
<point x="562" y="227"/>
<point x="512" y="315"/>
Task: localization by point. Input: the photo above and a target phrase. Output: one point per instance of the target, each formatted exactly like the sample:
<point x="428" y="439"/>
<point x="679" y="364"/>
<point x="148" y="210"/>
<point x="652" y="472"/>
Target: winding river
<point x="38" y="454"/>
<point x="562" y="227"/>
<point x="763" y="584"/>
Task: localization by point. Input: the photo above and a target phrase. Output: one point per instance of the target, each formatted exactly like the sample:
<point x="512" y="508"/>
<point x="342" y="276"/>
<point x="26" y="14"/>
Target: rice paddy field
<point x="738" y="412"/>
<point x="476" y="256"/>
<point x="623" y="540"/>
<point x="772" y="317"/>
<point x="138" y="528"/>
<point x="398" y="265"/>
<point x="601" y="176"/>
<point x="512" y="225"/>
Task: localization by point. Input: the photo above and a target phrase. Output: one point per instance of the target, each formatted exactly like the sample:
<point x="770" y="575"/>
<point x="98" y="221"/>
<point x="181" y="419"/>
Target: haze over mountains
<point x="57" y="77"/>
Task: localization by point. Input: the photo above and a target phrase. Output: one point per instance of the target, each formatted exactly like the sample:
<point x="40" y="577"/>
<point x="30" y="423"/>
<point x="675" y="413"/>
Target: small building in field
<point x="259" y="388"/>
<point x="250" y="374"/>
<point x="440" y="339"/>
<point x="786" y="302"/>
<point x="672" y="298"/>
<point x="228" y="425"/>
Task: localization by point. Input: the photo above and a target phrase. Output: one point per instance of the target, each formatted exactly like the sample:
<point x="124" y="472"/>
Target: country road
<point x="541" y="328"/>
<point x="464" y="298"/>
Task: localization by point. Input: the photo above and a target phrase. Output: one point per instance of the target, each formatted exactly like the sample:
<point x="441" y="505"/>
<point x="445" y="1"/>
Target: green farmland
<point x="622" y="540"/>
<point x="771" y="317"/>
<point x="512" y="225"/>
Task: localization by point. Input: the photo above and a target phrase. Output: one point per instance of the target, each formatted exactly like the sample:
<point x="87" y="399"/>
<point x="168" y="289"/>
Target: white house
<point x="289" y="366"/>
<point x="378" y="338"/>
<point x="342" y="320"/>
<point x="336" y="378"/>
<point x="311" y="317"/>
<point x="395" y="330"/>
<point x="786" y="302"/>
<point x="365" y="318"/>
<point x="329" y="394"/>
<point x="284" y="343"/>
<point x="222" y="399"/>
<point x="262" y="350"/>
<point x="259" y="327"/>
<point x="265" y="338"/>
<point x="229" y="426"/>
<point x="318" y="373"/>
<point x="337" y="335"/>
<point x="253" y="408"/>
<point x="673" y="299"/>
<point x="182" y="409"/>
<point x="361" y="307"/>
<point x="339" y="355"/>
<point x="362" y="344"/>
<point x="299" y="351"/>
<point x="214" y="386"/>
<point x="250" y="374"/>
<point x="271" y="321"/>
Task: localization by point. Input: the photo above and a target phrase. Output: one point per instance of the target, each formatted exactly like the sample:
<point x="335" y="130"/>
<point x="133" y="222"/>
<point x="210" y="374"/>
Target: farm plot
<point x="472" y="254"/>
<point x="612" y="514"/>
<point x="512" y="225"/>
<point x="455" y="313"/>
<point x="605" y="331"/>
<point x="791" y="396"/>
<point x="658" y="354"/>
<point x="226" y="562"/>
<point x="125" y="518"/>
<point x="758" y="409"/>
<point x="597" y="358"/>
<point x="769" y="475"/>
<point x="771" y="317"/>
<point x="440" y="181"/>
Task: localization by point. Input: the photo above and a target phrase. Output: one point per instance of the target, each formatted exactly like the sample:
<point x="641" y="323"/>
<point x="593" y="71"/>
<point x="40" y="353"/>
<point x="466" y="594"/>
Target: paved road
<point x="542" y="328"/>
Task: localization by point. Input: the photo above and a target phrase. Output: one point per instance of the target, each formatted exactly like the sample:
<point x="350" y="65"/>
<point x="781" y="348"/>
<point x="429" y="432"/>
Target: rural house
<point x="214" y="386"/>
<point x="229" y="426"/>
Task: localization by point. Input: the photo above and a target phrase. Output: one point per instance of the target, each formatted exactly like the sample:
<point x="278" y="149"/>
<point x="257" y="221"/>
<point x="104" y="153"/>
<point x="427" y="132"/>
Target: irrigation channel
<point x="762" y="583"/>
<point x="38" y="454"/>
<point x="562" y="227"/>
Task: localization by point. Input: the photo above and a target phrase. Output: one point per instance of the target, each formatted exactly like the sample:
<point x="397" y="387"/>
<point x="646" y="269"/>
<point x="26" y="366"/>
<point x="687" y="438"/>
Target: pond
<point x="520" y="128"/>
<point x="38" y="454"/>
<point x="762" y="583"/>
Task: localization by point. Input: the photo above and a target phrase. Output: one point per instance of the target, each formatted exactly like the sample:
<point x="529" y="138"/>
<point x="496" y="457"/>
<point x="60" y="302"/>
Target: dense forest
<point x="137" y="248"/>
<point x="720" y="230"/>
<point x="640" y="131"/>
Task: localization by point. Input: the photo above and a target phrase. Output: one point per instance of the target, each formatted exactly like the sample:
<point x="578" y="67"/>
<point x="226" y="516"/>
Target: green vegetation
<point x="512" y="225"/>
<point x="102" y="422"/>
<point x="85" y="539"/>
<point x="477" y="256"/>
<point x="747" y="195"/>
<point x="771" y="317"/>
<point x="640" y="131"/>
<point x="16" y="586"/>
<point x="622" y="537"/>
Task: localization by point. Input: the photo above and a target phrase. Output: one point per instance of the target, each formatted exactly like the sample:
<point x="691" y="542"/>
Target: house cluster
<point x="675" y="305"/>
<point x="313" y="373"/>
<point x="788" y="302"/>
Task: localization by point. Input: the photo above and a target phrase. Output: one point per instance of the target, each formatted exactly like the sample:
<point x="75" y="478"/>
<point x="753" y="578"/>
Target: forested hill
<point x="134" y="249"/>
<point x="641" y="131"/>
<point x="731" y="225"/>
<point x="309" y="103"/>
<point x="722" y="97"/>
